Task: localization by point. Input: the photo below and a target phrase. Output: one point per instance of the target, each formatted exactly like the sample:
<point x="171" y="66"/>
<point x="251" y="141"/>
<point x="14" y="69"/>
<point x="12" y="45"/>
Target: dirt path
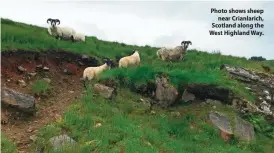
<point x="66" y="89"/>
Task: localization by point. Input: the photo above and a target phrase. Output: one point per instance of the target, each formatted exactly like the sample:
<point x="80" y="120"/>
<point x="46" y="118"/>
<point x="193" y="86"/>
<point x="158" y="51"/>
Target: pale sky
<point x="155" y="23"/>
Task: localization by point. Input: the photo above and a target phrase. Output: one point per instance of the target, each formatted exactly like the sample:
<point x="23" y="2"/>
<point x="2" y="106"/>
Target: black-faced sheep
<point x="131" y="60"/>
<point x="171" y="54"/>
<point x="65" y="33"/>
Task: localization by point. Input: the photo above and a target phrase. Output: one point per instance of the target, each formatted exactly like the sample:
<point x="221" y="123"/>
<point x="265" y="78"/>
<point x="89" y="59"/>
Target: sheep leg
<point x="72" y="39"/>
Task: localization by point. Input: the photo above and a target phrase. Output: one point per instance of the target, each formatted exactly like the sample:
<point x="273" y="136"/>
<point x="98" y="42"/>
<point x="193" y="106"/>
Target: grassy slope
<point x="125" y="125"/>
<point x="198" y="66"/>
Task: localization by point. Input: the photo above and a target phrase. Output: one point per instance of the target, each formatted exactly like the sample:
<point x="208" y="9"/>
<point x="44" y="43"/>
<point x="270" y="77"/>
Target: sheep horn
<point x="57" y="20"/>
<point x="183" y="42"/>
<point x="49" y="19"/>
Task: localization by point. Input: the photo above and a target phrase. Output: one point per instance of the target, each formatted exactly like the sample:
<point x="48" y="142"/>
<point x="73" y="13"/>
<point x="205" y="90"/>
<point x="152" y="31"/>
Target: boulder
<point x="221" y="121"/>
<point x="60" y="141"/>
<point x="105" y="91"/>
<point x="23" y="102"/>
<point x="244" y="130"/>
<point x="165" y="94"/>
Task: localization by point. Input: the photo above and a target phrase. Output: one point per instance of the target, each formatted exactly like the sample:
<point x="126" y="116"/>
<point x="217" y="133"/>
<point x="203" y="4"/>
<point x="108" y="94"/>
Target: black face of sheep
<point x="185" y="44"/>
<point x="53" y="21"/>
<point x="109" y="62"/>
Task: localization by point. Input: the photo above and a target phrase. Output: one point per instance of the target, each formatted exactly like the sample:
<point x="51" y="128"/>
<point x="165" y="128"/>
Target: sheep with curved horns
<point x="171" y="54"/>
<point x="131" y="60"/>
<point x="65" y="33"/>
<point x="91" y="72"/>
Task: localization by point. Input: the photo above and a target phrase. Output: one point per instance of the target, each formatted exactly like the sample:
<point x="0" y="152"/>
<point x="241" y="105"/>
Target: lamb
<point x="131" y="60"/>
<point x="65" y="33"/>
<point x="92" y="72"/>
<point x="171" y="54"/>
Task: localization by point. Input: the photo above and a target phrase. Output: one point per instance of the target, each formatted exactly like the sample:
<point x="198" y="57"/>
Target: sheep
<point x="91" y="72"/>
<point x="131" y="60"/>
<point x="65" y="33"/>
<point x="171" y="54"/>
<point x="79" y="37"/>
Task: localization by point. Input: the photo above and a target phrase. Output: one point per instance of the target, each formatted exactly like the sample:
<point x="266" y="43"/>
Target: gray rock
<point x="221" y="121"/>
<point x="60" y="141"/>
<point x="105" y="91"/>
<point x="18" y="100"/>
<point x="165" y="94"/>
<point x="187" y="96"/>
<point x="244" y="130"/>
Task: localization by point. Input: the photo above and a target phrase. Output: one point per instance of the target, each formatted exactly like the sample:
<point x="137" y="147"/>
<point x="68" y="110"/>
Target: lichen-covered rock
<point x="105" y="91"/>
<point x="165" y="94"/>
<point x="18" y="100"/>
<point x="60" y="141"/>
<point x="221" y="121"/>
<point x="244" y="130"/>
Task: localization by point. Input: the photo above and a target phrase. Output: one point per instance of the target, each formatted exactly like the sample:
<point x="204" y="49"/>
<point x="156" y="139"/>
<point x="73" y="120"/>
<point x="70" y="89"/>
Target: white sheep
<point x="171" y="54"/>
<point x="91" y="72"/>
<point x="131" y="60"/>
<point x="79" y="37"/>
<point x="65" y="33"/>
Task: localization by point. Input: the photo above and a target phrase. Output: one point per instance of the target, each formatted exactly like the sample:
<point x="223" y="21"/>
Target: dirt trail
<point x="66" y="90"/>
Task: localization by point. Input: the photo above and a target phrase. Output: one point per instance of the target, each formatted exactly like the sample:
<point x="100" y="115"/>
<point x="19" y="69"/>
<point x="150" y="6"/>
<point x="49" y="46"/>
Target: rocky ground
<point x="23" y="112"/>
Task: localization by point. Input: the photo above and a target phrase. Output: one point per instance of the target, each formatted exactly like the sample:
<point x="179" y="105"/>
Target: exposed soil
<point x="66" y="89"/>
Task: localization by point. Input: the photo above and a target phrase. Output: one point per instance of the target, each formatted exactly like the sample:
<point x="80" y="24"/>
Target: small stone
<point x="29" y="130"/>
<point x="32" y="74"/>
<point x="33" y="137"/>
<point x="45" y="68"/>
<point x="22" y="83"/>
<point x="266" y="92"/>
<point x="47" y="80"/>
<point x="98" y="124"/>
<point x="39" y="66"/>
<point x="20" y="68"/>
<point x="71" y="91"/>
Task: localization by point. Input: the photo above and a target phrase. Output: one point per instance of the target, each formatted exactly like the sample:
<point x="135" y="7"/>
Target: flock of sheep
<point x="67" y="33"/>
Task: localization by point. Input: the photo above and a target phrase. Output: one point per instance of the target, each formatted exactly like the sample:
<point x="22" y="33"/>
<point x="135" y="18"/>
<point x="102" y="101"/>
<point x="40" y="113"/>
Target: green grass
<point x="40" y="87"/>
<point x="126" y="124"/>
<point x="7" y="146"/>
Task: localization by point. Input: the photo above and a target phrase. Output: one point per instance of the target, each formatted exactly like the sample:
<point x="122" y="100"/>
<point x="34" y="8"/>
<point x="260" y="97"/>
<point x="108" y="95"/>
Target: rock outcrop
<point x="22" y="102"/>
<point x="165" y="93"/>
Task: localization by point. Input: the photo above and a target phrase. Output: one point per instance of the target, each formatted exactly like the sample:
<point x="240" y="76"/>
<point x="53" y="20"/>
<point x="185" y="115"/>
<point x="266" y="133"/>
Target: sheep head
<point x="109" y="62"/>
<point x="185" y="44"/>
<point x="53" y="21"/>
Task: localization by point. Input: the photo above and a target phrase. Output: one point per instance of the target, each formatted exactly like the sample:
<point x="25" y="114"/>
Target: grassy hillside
<point x="126" y="125"/>
<point x="201" y="67"/>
